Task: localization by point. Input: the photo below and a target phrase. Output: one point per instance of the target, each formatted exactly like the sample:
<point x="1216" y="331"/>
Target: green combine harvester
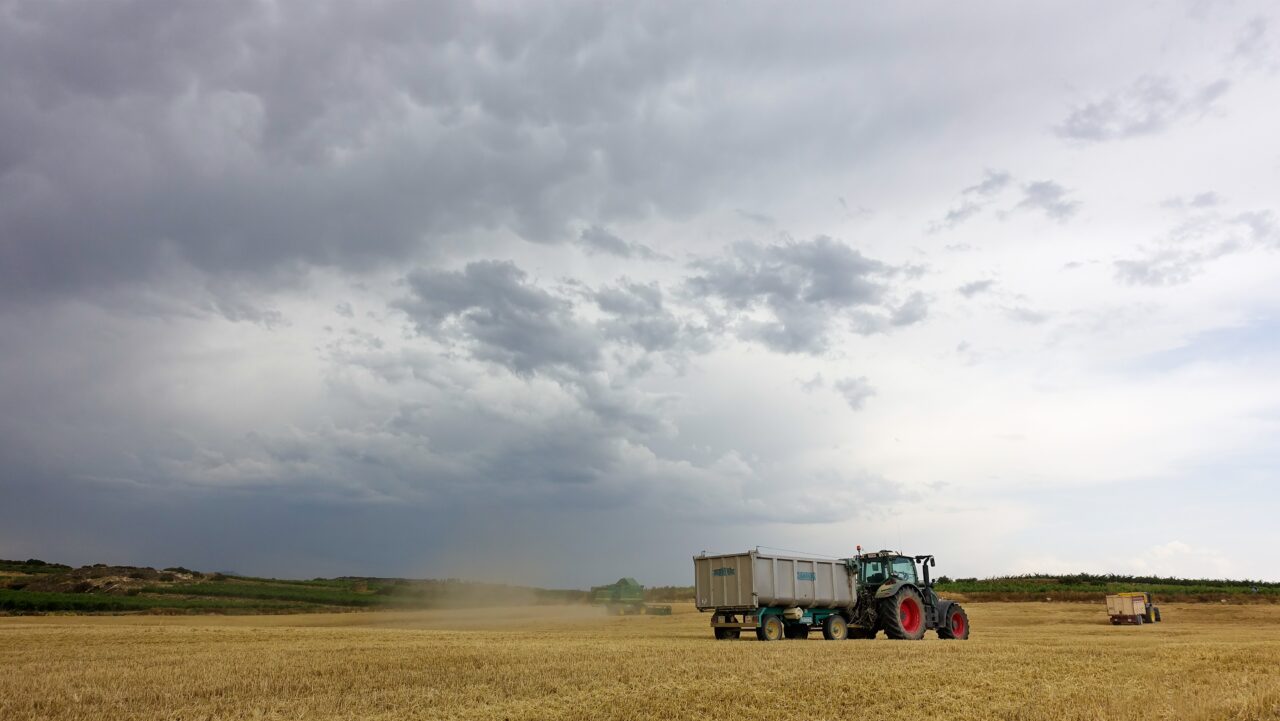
<point x="625" y="598"/>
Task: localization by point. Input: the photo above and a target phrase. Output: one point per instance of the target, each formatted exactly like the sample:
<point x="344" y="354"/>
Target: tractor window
<point x="873" y="572"/>
<point x="905" y="569"/>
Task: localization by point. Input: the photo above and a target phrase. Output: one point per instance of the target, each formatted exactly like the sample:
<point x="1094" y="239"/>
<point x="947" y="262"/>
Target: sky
<point x="554" y="293"/>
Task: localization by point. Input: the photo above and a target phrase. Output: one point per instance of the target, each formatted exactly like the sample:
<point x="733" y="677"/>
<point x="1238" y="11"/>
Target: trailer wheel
<point x="955" y="625"/>
<point x="835" y="628"/>
<point x="1137" y="620"/>
<point x="727" y="634"/>
<point x="771" y="629"/>
<point x="903" y="615"/>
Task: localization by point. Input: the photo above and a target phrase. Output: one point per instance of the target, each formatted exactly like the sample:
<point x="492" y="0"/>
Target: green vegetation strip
<point x="37" y="601"/>
<point x="322" y="595"/>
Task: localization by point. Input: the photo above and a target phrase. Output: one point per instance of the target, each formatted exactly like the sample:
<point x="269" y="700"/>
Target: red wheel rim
<point x="957" y="624"/>
<point x="911" y="616"/>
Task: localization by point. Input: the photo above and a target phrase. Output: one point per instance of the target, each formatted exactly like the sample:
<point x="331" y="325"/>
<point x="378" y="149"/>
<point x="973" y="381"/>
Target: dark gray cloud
<point x="802" y="286"/>
<point x="506" y="319"/>
<point x="1150" y="105"/>
<point x="249" y="138"/>
<point x="640" y="317"/>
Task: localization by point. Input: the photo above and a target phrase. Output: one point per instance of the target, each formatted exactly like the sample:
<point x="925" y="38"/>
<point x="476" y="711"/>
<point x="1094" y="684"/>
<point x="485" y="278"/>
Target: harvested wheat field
<point x="1025" y="661"/>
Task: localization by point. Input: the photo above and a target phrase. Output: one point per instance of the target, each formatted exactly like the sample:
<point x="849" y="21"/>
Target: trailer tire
<point x="902" y="615"/>
<point x="955" y="625"/>
<point x="727" y="634"/>
<point x="835" y="628"/>
<point x="1137" y="620"/>
<point x="771" y="629"/>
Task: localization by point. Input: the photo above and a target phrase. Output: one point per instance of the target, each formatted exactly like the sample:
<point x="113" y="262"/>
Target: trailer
<point x="1134" y="608"/>
<point x="778" y="596"/>
<point x="775" y="596"/>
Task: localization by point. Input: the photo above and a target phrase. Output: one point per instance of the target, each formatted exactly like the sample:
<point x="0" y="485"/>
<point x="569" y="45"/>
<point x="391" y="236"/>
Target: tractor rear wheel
<point x="771" y="629"/>
<point x="902" y="615"/>
<point x="955" y="625"/>
<point x="727" y="634"/>
<point x="835" y="628"/>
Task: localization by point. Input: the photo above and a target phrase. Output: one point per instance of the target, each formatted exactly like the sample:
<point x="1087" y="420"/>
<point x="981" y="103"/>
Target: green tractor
<point x="893" y="598"/>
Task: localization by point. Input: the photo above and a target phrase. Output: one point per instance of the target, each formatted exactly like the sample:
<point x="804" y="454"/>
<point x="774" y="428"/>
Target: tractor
<point x="893" y="598"/>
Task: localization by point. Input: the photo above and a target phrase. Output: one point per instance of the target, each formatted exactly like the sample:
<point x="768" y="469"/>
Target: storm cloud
<point x="801" y="288"/>
<point x="506" y="292"/>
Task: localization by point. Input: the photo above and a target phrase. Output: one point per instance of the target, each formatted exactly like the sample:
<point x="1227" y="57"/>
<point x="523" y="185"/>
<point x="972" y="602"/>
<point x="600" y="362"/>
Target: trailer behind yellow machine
<point x="1135" y="608"/>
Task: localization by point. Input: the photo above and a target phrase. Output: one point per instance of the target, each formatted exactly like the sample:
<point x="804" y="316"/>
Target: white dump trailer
<point x="744" y="581"/>
<point x="774" y="595"/>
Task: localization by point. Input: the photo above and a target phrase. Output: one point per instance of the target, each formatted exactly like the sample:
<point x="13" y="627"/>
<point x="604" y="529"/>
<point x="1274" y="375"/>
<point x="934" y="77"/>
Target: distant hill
<point x="34" y="586"/>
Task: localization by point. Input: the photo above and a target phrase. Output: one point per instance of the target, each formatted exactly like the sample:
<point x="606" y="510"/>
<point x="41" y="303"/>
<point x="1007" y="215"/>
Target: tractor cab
<point x="874" y="569"/>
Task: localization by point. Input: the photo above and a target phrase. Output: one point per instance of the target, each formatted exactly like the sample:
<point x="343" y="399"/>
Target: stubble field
<point x="1025" y="661"/>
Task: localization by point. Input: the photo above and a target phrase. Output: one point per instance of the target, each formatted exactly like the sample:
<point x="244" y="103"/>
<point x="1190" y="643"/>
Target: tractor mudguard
<point x="892" y="586"/>
<point x="943" y="610"/>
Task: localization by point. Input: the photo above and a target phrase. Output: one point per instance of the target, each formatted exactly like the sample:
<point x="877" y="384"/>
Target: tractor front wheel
<point x="835" y="628"/>
<point x="903" y="615"/>
<point x="771" y="629"/>
<point x="955" y="625"/>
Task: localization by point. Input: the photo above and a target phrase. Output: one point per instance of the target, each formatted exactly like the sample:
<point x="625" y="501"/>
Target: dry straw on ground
<point x="1025" y="661"/>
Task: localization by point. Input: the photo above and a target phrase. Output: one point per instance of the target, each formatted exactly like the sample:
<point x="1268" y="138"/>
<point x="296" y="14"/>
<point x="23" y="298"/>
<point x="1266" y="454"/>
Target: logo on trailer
<point x="724" y="572"/>
<point x="806" y="576"/>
